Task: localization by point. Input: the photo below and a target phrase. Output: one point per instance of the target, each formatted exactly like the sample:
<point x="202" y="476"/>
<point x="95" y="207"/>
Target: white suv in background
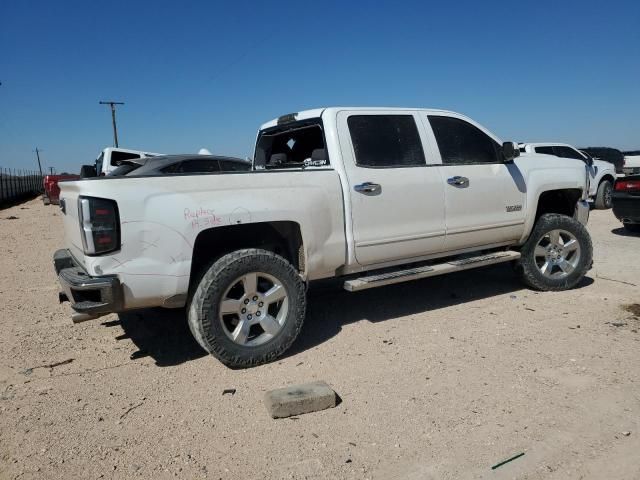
<point x="602" y="174"/>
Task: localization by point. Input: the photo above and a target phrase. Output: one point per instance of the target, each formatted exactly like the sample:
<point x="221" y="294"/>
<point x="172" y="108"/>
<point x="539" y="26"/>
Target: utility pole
<point x="113" y="118"/>
<point x="39" y="164"/>
<point x="51" y="169"/>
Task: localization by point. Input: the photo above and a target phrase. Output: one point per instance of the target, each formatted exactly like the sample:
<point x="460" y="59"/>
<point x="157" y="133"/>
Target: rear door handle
<point x="457" y="181"/>
<point x="368" y="188"/>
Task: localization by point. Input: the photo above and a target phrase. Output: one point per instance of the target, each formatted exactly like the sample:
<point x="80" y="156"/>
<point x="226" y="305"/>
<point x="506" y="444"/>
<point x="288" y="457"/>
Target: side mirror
<point x="510" y="151"/>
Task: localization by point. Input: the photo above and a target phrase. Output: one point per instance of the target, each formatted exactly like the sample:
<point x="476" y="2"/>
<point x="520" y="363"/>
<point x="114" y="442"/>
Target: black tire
<point x="632" y="227"/>
<point x="528" y="269"/>
<point x="203" y="311"/>
<point x="603" y="196"/>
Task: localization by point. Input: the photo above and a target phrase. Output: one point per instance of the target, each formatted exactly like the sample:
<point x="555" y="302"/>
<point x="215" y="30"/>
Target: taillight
<point x="627" y="186"/>
<point x="100" y="225"/>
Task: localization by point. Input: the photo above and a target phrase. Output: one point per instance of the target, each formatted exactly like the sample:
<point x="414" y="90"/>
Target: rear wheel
<point x="248" y="308"/>
<point x="604" y="195"/>
<point x="557" y="254"/>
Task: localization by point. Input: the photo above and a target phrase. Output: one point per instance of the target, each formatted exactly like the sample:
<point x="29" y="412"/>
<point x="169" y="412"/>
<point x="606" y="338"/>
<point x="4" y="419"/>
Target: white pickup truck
<point x="602" y="175"/>
<point x="111" y="158"/>
<point x="372" y="195"/>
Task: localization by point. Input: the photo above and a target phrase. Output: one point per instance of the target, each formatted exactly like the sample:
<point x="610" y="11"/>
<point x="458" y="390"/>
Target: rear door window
<point x="461" y="142"/>
<point x="386" y="141"/>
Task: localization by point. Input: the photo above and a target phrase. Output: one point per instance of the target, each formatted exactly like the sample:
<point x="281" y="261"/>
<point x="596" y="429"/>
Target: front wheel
<point x="248" y="308"/>
<point x="557" y="254"/>
<point x="604" y="196"/>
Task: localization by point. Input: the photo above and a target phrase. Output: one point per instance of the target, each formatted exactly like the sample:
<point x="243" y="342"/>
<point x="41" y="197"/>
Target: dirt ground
<point x="439" y="379"/>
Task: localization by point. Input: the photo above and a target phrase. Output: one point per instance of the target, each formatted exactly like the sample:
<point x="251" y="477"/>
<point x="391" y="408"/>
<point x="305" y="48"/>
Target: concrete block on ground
<point x="300" y="399"/>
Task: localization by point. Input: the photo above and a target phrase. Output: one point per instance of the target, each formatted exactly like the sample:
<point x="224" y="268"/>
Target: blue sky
<point x="207" y="74"/>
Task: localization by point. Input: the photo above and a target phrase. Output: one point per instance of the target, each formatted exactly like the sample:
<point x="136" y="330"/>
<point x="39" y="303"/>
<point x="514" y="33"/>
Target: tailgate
<point x="69" y="193"/>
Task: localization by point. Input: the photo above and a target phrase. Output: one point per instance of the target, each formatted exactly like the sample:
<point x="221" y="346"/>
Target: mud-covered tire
<point x="603" y="199"/>
<point x="529" y="270"/>
<point x="204" y="309"/>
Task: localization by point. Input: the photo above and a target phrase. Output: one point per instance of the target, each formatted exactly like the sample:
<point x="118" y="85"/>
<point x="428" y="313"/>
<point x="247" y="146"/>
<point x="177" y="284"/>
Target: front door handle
<point x="368" y="188"/>
<point x="457" y="181"/>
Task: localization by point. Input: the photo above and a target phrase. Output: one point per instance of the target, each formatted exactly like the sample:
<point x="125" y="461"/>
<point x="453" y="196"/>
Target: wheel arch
<point x="561" y="200"/>
<point x="607" y="176"/>
<point x="283" y="238"/>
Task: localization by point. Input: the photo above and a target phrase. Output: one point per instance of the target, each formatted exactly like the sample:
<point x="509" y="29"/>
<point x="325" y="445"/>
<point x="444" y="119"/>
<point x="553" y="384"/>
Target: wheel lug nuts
<point x="258" y="313"/>
<point x="246" y="302"/>
<point x="255" y="298"/>
<point x="260" y="304"/>
<point x="244" y="310"/>
<point x="249" y="316"/>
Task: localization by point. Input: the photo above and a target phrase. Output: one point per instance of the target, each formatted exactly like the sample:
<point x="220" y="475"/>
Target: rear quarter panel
<point x="161" y="217"/>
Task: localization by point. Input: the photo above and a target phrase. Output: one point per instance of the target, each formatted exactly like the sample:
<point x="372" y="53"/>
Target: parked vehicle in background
<point x="626" y="202"/>
<point x="175" y="164"/>
<point x="602" y="174"/>
<point x="52" y="189"/>
<point x="110" y="158"/>
<point x="374" y="196"/>
<point x="606" y="154"/>
<point x="631" y="163"/>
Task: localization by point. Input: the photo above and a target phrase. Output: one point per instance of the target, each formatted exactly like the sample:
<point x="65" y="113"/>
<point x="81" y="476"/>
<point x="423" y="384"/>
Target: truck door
<point x="396" y="201"/>
<point x="484" y="197"/>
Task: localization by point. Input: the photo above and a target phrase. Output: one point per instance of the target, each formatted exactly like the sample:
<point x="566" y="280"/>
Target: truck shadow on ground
<point x="161" y="334"/>
<point x="164" y="334"/>
<point x="623" y="232"/>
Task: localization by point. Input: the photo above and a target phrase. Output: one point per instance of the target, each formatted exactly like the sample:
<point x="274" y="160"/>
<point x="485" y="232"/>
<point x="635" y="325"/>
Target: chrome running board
<point x="454" y="265"/>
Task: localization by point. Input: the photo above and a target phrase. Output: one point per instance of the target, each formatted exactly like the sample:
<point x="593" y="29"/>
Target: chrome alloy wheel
<point x="557" y="254"/>
<point x="253" y="309"/>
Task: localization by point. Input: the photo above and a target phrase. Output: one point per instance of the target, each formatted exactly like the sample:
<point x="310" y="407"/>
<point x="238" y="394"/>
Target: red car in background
<point x="52" y="189"/>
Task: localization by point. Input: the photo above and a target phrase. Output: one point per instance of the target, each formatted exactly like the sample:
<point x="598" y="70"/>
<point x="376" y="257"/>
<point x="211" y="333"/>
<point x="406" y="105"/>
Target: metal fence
<point x="19" y="184"/>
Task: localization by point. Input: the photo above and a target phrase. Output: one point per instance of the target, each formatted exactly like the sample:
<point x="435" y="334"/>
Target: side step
<point x="456" y="265"/>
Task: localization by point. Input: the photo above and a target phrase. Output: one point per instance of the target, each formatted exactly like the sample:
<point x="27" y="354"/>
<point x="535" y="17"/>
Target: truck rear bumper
<point x="90" y="297"/>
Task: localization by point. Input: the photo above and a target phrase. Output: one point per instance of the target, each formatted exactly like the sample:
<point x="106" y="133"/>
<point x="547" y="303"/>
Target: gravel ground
<point x="441" y="378"/>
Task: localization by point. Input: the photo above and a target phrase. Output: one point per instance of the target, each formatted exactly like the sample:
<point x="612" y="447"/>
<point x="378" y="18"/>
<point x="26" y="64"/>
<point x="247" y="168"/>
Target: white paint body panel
<point x="161" y="217"/>
<point x="417" y="216"/>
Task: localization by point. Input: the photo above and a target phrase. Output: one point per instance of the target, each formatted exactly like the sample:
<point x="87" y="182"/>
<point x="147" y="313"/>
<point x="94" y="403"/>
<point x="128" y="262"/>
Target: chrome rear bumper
<point x="90" y="297"/>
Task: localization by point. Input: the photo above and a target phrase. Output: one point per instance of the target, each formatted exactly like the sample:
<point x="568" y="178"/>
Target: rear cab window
<point x="118" y="157"/>
<point x="292" y="145"/>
